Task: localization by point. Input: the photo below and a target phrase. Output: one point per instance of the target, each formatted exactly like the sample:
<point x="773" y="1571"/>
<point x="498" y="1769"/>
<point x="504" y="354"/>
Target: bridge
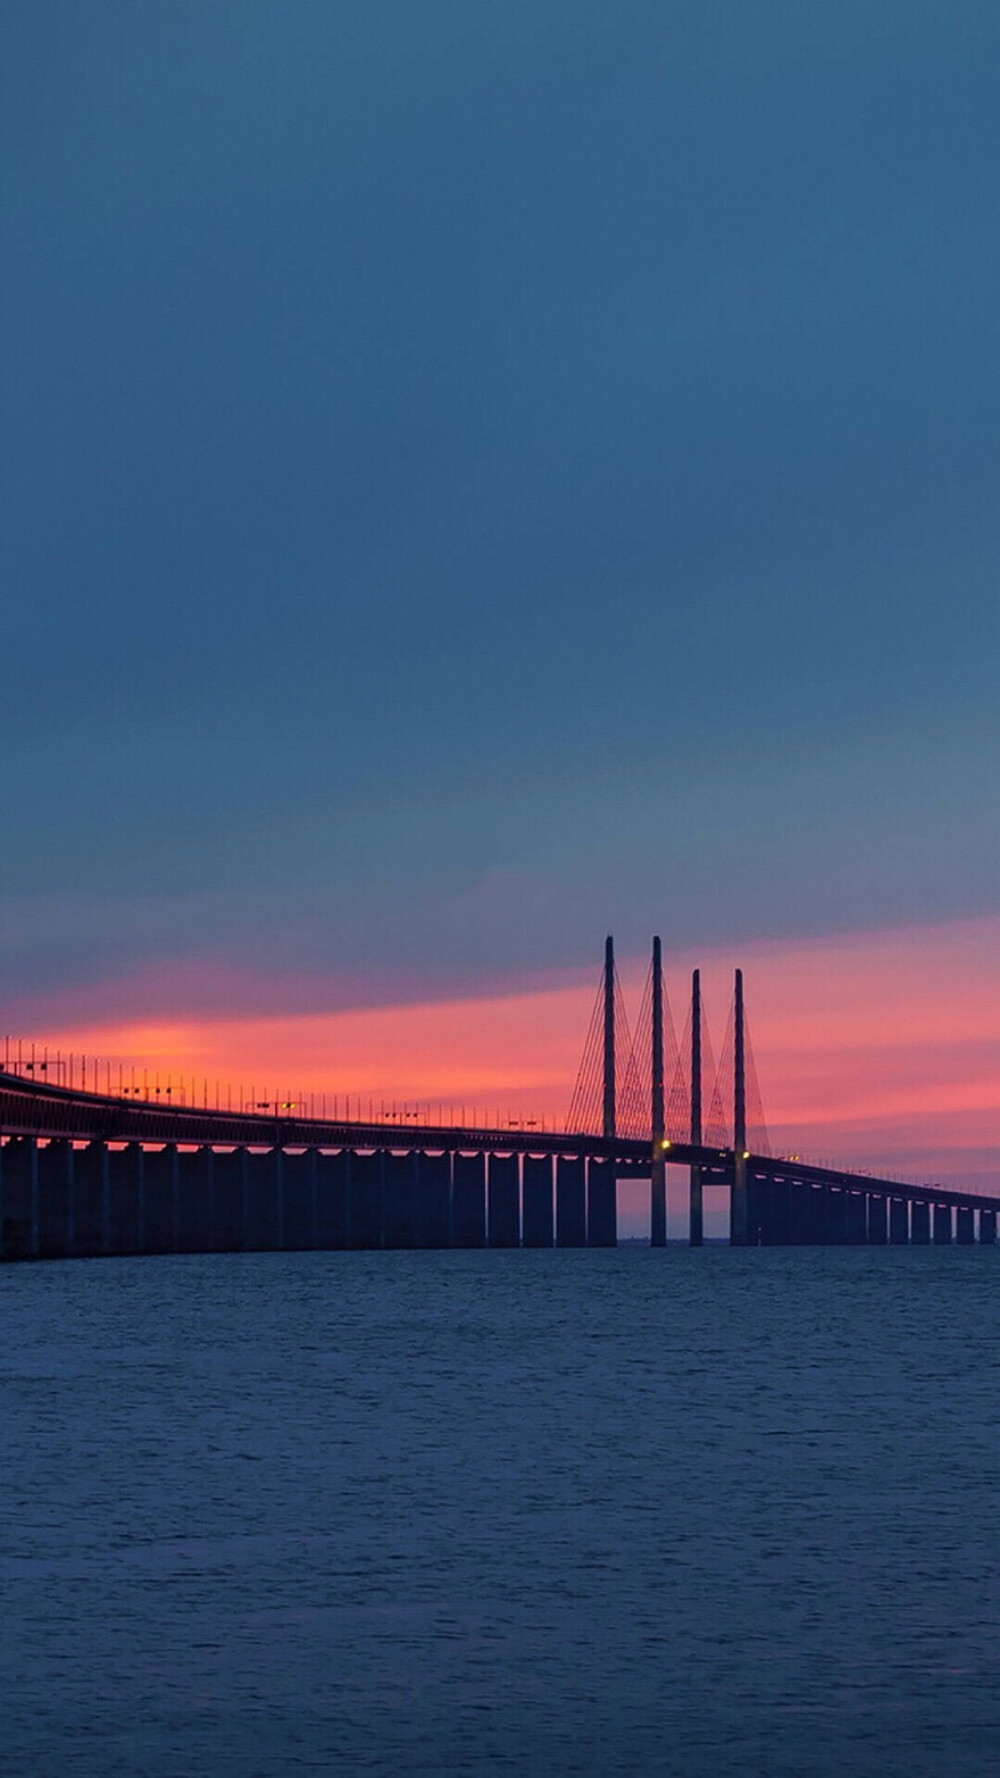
<point x="86" y="1173"/>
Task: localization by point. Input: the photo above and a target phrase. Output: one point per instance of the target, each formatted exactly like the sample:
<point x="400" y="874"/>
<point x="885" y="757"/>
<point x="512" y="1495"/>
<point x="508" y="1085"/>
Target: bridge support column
<point x="657" y="1198"/>
<point x="400" y="1186"/>
<point x="942" y="1225"/>
<point x="602" y="1205"/>
<point x="837" y="1217"/>
<point x="757" y="1199"/>
<point x="334" y="1219"/>
<point x="125" y="1169"/>
<point x="370" y="1188"/>
<point x="571" y="1202"/>
<point x="159" y="1168"/>
<point x="260" y="1214"/>
<point x="987" y="1227"/>
<point x="470" y="1201"/>
<point x="55" y="1200"/>
<point x="433" y="1183"/>
<point x="19" y="1230"/>
<point x="90" y="1173"/>
<point x="920" y="1223"/>
<point x="297" y="1201"/>
<point x="503" y="1210"/>
<point x="227" y="1178"/>
<point x="696" y="1208"/>
<point x="899" y="1222"/>
<point x="878" y="1220"/>
<point x="856" y="1218"/>
<point x="965" y="1226"/>
<point x="800" y="1221"/>
<point x="195" y="1190"/>
<point x="536" y="1209"/>
<point x="819" y="1215"/>
<point x="739" y="1231"/>
<point x="782" y="1212"/>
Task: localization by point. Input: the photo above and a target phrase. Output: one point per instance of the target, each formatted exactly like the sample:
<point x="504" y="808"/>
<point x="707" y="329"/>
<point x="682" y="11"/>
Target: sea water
<point x="633" y="1512"/>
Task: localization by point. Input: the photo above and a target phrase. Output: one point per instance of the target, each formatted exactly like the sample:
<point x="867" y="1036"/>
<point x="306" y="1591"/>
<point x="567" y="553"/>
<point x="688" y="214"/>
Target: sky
<point x="476" y="477"/>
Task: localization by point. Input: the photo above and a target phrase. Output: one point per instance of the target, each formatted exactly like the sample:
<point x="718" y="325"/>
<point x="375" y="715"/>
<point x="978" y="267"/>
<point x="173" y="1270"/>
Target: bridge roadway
<point x="85" y="1173"/>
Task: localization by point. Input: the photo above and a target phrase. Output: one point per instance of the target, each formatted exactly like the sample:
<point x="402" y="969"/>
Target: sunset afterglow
<point x="875" y="1048"/>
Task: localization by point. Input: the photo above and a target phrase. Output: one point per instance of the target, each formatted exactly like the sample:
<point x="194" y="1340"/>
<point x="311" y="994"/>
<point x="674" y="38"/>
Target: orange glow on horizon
<point x="868" y="1045"/>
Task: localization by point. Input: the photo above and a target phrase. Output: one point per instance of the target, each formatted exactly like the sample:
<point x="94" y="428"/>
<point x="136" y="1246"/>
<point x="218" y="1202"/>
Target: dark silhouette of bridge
<point x="85" y="1173"/>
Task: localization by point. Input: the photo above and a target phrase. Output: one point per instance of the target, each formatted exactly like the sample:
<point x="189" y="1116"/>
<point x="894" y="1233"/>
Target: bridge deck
<point x="29" y="1108"/>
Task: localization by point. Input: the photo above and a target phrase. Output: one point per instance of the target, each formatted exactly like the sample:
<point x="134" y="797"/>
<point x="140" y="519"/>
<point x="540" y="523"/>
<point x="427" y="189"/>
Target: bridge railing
<point x="113" y="1078"/>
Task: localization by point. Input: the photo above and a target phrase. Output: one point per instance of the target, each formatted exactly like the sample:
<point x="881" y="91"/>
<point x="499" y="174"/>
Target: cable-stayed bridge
<point x="145" y="1168"/>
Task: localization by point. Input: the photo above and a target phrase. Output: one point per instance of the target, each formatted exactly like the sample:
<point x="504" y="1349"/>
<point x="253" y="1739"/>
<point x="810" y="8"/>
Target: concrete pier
<point x="537" y="1226"/>
<point x="942" y="1225"/>
<point x="400" y="1181"/>
<point x="298" y="1201"/>
<point x="125" y="1206"/>
<point x="801" y="1215"/>
<point x="56" y="1237"/>
<point x="602" y="1205"/>
<point x="227" y="1221"/>
<point x="432" y="1201"/>
<point x="965" y="1227"/>
<point x="260" y="1205"/>
<point x="878" y="1220"/>
<point x="469" y="1200"/>
<point x="987" y="1227"/>
<point x="857" y="1218"/>
<point x="571" y="1202"/>
<point x="782" y="1212"/>
<point x="195" y="1189"/>
<point x="366" y="1199"/>
<point x="503" y="1208"/>
<point x="899" y="1222"/>
<point x="19" y="1219"/>
<point x="332" y="1178"/>
<point x="920" y="1223"/>
<point x="90" y="1199"/>
<point x="159" y="1167"/>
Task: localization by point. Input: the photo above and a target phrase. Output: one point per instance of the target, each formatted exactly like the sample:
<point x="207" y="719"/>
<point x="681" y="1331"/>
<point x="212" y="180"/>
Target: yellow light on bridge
<point x="746" y="1154"/>
<point x="664" y="1143"/>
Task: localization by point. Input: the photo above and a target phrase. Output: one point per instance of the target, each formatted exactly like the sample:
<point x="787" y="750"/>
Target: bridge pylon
<point x="609" y="1101"/>
<point x="696" y="1220"/>
<point x="658" y="1163"/>
<point x="739" y="1218"/>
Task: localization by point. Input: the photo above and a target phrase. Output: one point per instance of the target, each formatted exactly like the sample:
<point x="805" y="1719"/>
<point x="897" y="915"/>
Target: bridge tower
<point x="610" y="1096"/>
<point x="696" y="1226"/>
<point x="739" y="1219"/>
<point x="658" y="1164"/>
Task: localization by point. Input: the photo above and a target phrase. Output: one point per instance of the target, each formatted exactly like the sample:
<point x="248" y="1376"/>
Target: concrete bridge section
<point x="83" y="1175"/>
<point x="814" y="1206"/>
<point x="63" y="1201"/>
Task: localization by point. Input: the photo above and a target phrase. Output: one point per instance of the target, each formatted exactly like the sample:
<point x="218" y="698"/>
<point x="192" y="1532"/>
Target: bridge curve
<point x="88" y="1173"/>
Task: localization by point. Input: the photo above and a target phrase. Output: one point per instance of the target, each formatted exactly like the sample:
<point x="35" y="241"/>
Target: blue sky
<point x="476" y="475"/>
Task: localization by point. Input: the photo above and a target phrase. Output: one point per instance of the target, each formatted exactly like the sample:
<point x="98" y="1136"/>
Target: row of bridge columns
<point x="58" y="1200"/>
<point x="791" y="1212"/>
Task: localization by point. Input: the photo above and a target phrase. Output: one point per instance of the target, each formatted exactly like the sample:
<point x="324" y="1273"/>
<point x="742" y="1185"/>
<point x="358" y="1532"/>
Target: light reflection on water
<point x="600" y="1513"/>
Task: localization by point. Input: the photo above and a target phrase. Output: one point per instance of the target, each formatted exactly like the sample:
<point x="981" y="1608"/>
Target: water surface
<point x="546" y="1513"/>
